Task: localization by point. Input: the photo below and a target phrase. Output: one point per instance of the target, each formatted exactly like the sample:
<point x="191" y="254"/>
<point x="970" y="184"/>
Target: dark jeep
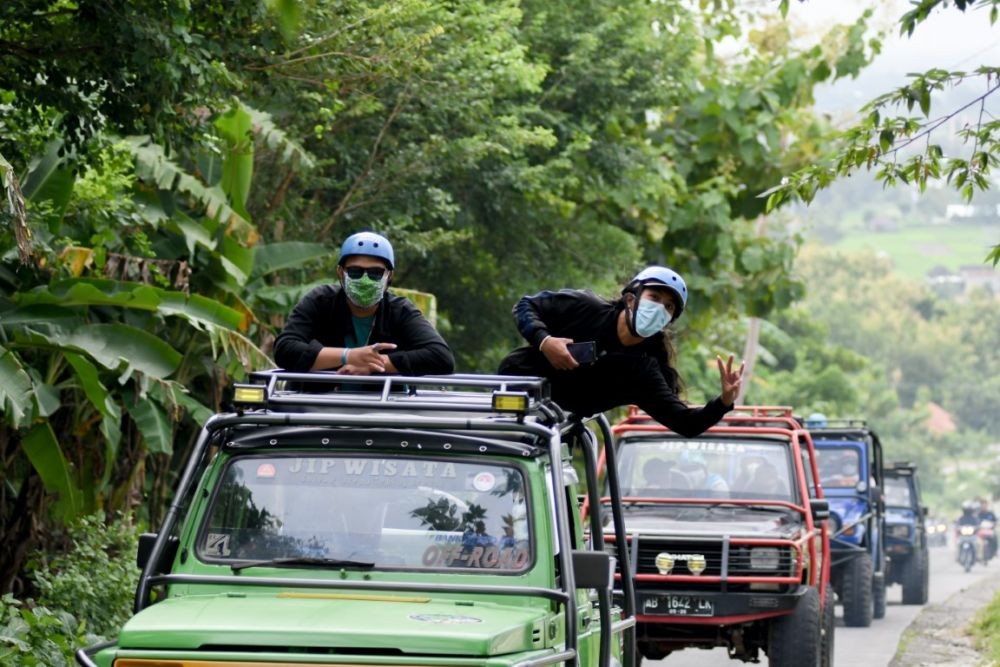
<point x="727" y="537"/>
<point x="851" y="472"/>
<point x="906" y="535"/>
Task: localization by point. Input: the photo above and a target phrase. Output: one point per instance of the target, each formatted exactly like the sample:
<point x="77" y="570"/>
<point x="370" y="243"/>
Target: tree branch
<point x="368" y="166"/>
<point x="941" y="121"/>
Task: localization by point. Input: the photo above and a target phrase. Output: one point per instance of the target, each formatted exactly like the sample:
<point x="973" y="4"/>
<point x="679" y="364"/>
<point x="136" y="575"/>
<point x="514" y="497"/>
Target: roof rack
<point x="764" y="415"/>
<point x="762" y="411"/>
<point x="841" y="424"/>
<point x="293" y="391"/>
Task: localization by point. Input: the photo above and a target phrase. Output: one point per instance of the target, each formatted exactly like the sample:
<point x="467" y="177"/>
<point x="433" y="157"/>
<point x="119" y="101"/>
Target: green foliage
<point x="37" y="636"/>
<point x="866" y="343"/>
<point x="95" y="579"/>
<point x="904" y="149"/>
<point x="135" y="67"/>
<point x="986" y="630"/>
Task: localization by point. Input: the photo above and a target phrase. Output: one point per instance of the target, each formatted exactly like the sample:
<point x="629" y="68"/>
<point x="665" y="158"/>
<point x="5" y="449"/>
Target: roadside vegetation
<point x="986" y="631"/>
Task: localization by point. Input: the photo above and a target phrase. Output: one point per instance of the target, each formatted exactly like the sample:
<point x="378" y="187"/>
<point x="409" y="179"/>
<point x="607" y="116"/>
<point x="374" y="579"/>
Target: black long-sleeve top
<point x="622" y="375"/>
<point x="323" y="319"/>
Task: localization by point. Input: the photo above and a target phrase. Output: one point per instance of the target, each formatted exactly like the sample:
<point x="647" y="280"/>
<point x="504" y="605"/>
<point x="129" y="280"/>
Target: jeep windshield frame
<point x="462" y="406"/>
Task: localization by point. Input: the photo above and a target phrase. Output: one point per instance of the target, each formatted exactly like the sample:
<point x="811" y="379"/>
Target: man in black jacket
<point x="359" y="328"/>
<point x="627" y="357"/>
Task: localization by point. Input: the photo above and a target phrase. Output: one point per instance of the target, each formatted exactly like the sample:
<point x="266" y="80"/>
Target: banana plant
<point x="90" y="363"/>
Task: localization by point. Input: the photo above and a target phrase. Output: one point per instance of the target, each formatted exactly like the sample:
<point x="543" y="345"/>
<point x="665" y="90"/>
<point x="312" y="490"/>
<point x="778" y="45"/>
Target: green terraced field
<point x="916" y="250"/>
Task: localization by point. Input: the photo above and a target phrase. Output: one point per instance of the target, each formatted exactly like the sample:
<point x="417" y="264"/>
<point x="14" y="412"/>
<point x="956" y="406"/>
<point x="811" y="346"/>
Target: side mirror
<point x="820" y="509"/>
<point x="145" y="550"/>
<point x="593" y="569"/>
<point x="923" y="511"/>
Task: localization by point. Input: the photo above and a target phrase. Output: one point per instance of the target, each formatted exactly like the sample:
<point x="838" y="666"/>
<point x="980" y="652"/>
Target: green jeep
<point x="334" y="520"/>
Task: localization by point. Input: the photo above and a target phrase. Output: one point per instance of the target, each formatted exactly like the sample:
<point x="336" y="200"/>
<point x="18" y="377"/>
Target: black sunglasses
<point x="374" y="272"/>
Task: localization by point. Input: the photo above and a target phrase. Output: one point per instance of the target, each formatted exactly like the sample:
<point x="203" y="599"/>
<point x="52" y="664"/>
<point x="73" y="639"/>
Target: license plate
<point x="677" y="605"/>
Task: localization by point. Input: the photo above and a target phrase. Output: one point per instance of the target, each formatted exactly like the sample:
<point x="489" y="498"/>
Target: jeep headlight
<point x="931" y="530"/>
<point x="764" y="558"/>
<point x="664" y="563"/>
<point x="899" y="531"/>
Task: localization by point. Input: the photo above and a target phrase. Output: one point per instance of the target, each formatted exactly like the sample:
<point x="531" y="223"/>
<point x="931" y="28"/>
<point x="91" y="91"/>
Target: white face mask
<point x="650" y="317"/>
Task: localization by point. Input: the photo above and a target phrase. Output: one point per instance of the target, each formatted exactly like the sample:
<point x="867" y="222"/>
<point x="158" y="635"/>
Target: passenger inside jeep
<point x="661" y="475"/>
<point x="839" y="467"/>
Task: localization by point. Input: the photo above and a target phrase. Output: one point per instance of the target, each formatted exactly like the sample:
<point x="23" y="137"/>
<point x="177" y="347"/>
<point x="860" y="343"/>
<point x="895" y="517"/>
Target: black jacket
<point x="638" y="374"/>
<point x="323" y="319"/>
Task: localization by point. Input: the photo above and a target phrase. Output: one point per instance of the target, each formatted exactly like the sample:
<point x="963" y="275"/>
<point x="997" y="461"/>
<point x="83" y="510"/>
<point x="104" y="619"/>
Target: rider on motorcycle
<point x="969" y="516"/>
<point x="987" y="522"/>
<point x="965" y="532"/>
<point x="985" y="513"/>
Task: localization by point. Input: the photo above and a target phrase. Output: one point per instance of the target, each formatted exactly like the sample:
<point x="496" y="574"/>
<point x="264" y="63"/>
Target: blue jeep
<point x="850" y="467"/>
<point x="906" y="534"/>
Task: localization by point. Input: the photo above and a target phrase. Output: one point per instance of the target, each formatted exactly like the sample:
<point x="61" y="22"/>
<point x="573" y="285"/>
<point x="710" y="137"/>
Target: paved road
<point x="873" y="646"/>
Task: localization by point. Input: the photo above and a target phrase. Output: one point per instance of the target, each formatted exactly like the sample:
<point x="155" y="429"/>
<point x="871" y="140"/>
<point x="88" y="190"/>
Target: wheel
<point x="794" y="640"/>
<point x="916" y="578"/>
<point x="967" y="558"/>
<point x="878" y="595"/>
<point x="649" y="650"/>
<point x="827" y="630"/>
<point x="857" y="588"/>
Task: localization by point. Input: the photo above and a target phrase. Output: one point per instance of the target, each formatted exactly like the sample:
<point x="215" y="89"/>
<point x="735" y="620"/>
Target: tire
<point x="829" y="623"/>
<point x="650" y="651"/>
<point x="967" y="558"/>
<point x="857" y="589"/>
<point x="916" y="578"/>
<point x="878" y="595"/>
<point x="794" y="640"/>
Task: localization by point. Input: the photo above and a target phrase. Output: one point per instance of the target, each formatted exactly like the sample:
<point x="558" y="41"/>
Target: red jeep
<point x="727" y="537"/>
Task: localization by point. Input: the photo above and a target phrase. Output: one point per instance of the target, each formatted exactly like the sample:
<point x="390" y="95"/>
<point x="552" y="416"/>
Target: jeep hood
<point x="411" y="624"/>
<point x="705" y="521"/>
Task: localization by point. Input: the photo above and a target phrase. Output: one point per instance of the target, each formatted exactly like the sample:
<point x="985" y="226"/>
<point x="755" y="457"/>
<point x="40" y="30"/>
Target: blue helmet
<point x="816" y="420"/>
<point x="691" y="459"/>
<point x="661" y="275"/>
<point x="368" y="243"/>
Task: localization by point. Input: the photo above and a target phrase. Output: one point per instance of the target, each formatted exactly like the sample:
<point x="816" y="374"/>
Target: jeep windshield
<point x="701" y="468"/>
<point x="839" y="467"/>
<point x="897" y="492"/>
<point x="394" y="512"/>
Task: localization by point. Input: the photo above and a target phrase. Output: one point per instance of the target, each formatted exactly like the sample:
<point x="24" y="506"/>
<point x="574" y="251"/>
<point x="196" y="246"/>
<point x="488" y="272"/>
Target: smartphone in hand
<point x="585" y="353"/>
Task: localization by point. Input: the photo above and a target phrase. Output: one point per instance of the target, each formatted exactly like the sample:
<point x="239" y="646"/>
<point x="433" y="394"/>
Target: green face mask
<point x="364" y="292"/>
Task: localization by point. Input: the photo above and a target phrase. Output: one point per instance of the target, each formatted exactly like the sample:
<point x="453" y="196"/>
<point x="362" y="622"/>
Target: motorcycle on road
<point x="966" y="544"/>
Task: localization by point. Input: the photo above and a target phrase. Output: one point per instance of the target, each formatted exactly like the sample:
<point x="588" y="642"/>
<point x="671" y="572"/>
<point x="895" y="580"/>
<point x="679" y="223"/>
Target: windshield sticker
<point x="372" y="468"/>
<point x="484" y="481"/>
<point x="217" y="544"/>
<point x="704" y="446"/>
<point x="457" y="555"/>
<point x="445" y="619"/>
<point x="266" y="470"/>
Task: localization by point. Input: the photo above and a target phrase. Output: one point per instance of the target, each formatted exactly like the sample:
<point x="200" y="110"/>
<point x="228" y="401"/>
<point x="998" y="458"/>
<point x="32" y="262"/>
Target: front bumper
<point x="727" y="607"/>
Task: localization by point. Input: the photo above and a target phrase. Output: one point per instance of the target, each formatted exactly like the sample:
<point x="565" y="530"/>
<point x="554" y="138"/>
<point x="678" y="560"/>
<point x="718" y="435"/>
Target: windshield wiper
<point x="303" y="560"/>
<point x="753" y="506"/>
